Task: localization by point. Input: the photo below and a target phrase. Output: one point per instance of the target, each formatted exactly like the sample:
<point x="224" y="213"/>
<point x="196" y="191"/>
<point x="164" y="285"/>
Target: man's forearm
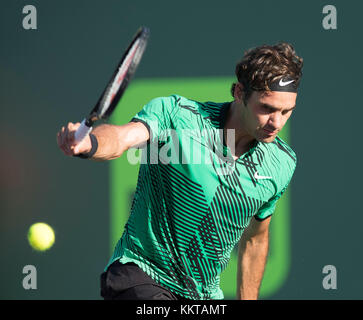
<point x="111" y="144"/>
<point x="252" y="256"/>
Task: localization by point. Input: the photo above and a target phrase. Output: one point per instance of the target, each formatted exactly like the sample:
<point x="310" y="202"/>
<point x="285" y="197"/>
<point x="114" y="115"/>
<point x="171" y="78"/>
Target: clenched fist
<point x="65" y="139"/>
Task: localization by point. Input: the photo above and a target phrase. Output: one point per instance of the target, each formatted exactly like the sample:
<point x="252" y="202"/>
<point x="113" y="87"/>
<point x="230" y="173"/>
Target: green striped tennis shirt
<point x="193" y="200"/>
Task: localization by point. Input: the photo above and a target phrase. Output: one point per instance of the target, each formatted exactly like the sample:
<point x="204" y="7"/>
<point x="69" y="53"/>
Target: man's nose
<point x="275" y="120"/>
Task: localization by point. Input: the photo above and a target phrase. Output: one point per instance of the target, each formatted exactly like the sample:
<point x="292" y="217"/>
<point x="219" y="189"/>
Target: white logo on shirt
<point x="258" y="177"/>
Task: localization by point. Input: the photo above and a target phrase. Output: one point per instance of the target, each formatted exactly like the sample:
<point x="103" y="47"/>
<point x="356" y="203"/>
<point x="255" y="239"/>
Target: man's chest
<point x="201" y="155"/>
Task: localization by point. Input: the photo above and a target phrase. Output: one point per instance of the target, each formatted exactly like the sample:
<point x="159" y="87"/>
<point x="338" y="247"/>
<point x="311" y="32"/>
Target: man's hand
<point x="65" y="140"/>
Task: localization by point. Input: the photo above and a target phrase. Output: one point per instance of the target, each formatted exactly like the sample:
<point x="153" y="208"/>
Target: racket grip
<point x="82" y="132"/>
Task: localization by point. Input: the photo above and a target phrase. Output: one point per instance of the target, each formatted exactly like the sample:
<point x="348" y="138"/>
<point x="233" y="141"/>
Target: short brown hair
<point x="262" y="65"/>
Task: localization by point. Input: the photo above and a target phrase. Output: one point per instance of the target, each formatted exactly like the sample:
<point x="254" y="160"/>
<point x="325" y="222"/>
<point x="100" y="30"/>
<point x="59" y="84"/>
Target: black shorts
<point x="129" y="282"/>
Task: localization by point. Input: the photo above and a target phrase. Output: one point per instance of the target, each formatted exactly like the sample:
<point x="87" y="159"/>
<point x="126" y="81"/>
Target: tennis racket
<point x="117" y="85"/>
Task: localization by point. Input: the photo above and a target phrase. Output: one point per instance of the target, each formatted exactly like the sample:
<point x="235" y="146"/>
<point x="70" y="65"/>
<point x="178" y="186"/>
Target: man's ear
<point x="239" y="93"/>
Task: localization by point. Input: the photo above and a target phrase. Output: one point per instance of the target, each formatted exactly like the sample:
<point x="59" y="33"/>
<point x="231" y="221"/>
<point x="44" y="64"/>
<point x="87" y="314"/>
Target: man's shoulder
<point x="282" y="150"/>
<point x="175" y="100"/>
<point x="193" y="104"/>
<point x="190" y="108"/>
<point x="284" y="160"/>
<point x="168" y="100"/>
<point x="180" y="100"/>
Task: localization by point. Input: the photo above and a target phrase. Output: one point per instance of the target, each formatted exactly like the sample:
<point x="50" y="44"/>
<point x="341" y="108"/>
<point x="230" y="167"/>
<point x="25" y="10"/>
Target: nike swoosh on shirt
<point x="258" y="177"/>
<point x="283" y="84"/>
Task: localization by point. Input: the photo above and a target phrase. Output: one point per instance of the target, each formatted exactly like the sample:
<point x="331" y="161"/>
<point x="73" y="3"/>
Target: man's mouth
<point x="270" y="132"/>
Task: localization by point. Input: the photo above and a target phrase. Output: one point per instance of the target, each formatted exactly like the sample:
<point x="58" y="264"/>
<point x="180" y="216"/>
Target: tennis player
<point x="187" y="216"/>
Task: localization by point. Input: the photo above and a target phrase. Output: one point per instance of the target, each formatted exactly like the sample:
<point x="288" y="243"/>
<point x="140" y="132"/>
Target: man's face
<point x="266" y="113"/>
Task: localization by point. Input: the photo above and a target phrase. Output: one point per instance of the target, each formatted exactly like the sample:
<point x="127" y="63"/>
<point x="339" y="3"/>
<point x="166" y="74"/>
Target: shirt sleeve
<point x="157" y="115"/>
<point x="269" y="207"/>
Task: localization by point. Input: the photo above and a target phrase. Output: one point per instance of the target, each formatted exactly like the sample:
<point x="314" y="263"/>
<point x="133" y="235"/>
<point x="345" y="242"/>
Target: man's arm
<point x="112" y="140"/>
<point x="252" y="255"/>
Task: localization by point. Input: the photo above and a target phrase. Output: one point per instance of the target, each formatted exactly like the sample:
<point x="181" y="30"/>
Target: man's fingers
<point x="62" y="136"/>
<point x="72" y="128"/>
<point x="70" y="137"/>
<point x="66" y="139"/>
<point x="76" y="150"/>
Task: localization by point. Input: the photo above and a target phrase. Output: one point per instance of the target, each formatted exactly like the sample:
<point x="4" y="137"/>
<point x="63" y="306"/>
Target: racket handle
<point x="82" y="132"/>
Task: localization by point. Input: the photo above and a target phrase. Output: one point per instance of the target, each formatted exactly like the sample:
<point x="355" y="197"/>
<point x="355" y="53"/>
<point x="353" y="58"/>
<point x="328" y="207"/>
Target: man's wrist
<point x="94" y="147"/>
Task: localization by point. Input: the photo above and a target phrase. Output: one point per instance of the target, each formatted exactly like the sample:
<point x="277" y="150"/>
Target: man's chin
<point x="267" y="139"/>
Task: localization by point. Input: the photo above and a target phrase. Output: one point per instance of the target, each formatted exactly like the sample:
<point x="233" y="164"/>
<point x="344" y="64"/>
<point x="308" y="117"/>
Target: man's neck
<point x="234" y="120"/>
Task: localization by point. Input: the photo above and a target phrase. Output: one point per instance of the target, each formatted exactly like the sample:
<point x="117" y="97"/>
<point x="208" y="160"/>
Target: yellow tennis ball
<point x="41" y="236"/>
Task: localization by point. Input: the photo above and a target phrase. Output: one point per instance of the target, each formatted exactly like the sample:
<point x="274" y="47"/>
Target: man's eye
<point x="286" y="112"/>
